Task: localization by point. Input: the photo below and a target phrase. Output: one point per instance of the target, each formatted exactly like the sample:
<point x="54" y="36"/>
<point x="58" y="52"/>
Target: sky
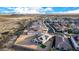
<point x="38" y="10"/>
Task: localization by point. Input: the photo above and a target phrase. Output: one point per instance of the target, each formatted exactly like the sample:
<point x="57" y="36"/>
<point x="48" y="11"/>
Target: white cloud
<point x="32" y="10"/>
<point x="7" y="12"/>
<point x="74" y="11"/>
<point x="28" y="10"/>
<point x="70" y="12"/>
<point x="48" y="9"/>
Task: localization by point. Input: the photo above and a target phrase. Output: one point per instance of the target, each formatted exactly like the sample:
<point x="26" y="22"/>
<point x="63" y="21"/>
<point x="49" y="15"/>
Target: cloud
<point x="7" y="12"/>
<point x="22" y="10"/>
<point x="28" y="10"/>
<point x="48" y="9"/>
<point x="33" y="10"/>
<point x="70" y="12"/>
<point x="74" y="11"/>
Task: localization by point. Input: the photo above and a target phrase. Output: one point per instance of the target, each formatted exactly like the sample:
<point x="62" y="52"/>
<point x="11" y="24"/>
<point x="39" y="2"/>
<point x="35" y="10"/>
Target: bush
<point x="42" y="46"/>
<point x="70" y="31"/>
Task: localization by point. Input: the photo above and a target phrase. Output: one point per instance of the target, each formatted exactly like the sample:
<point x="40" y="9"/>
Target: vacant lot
<point x="9" y="22"/>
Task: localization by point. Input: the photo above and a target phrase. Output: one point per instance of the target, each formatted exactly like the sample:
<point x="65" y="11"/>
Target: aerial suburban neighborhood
<point x="39" y="32"/>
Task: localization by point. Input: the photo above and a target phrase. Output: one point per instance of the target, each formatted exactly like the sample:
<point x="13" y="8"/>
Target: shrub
<point x="42" y="46"/>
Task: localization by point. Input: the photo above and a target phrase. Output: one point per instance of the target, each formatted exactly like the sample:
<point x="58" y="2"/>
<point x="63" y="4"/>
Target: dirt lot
<point x="9" y="22"/>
